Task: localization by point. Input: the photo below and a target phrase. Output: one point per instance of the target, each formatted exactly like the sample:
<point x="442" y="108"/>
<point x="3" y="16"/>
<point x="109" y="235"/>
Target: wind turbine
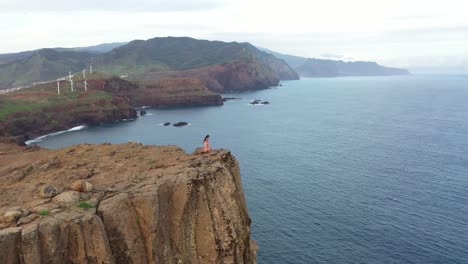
<point x="84" y="74"/>
<point x="58" y="86"/>
<point x="71" y="80"/>
<point x="90" y="69"/>
<point x="85" y="85"/>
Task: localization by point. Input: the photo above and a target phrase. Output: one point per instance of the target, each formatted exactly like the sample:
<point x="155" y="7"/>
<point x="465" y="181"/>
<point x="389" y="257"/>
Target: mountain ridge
<point x="138" y="58"/>
<point x="42" y="65"/>
<point x="99" y="48"/>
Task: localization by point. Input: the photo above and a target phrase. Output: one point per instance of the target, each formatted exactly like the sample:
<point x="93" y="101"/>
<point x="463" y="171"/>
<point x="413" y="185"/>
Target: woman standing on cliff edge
<point x="206" y="144"/>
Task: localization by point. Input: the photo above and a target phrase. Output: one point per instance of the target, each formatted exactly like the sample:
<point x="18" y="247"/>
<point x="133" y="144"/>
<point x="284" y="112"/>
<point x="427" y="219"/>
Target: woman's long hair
<point x="207" y="136"/>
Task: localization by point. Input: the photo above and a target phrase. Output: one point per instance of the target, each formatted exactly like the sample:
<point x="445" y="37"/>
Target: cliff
<point x="125" y="203"/>
<point x="235" y="76"/>
<point x="29" y="113"/>
<point x="39" y="110"/>
<point x="161" y="92"/>
<point x="279" y="66"/>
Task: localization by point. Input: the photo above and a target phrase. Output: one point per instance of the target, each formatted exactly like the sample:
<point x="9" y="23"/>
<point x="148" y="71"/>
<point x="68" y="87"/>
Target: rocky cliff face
<point x="282" y="69"/>
<point x="162" y="92"/>
<point x="24" y="125"/>
<point x="235" y="76"/>
<point x="125" y="203"/>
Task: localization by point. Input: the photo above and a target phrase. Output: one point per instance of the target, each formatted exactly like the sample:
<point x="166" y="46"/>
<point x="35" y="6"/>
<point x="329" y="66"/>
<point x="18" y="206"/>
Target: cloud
<point x="414" y="32"/>
<point x="332" y="56"/>
<point x="383" y="31"/>
<point x="22" y="6"/>
<point x="406" y="18"/>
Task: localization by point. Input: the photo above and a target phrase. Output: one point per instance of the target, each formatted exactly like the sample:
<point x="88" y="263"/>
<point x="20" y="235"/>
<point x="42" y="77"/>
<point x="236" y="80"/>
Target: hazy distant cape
<point x="310" y="67"/>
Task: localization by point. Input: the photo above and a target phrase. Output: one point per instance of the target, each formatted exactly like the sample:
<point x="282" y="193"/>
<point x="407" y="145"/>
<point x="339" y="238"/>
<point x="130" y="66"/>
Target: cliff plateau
<point x="126" y="203"/>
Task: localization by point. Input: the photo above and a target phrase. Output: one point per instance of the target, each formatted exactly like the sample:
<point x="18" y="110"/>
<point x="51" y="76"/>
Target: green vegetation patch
<point x="10" y="106"/>
<point x="24" y="101"/>
<point x="28" y="170"/>
<point x="85" y="205"/>
<point x="44" y="212"/>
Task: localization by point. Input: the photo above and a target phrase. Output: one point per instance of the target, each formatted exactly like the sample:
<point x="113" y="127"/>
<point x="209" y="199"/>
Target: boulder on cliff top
<point x="48" y="191"/>
<point x="67" y="198"/>
<point x="11" y="216"/>
<point x="81" y="186"/>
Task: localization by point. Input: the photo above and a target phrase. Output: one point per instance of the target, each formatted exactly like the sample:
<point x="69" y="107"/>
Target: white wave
<point x="126" y="120"/>
<point x="77" y="128"/>
<point x="41" y="138"/>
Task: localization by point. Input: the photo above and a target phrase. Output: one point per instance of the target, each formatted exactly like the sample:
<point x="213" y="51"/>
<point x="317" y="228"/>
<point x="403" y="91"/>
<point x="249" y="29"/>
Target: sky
<point x="423" y="36"/>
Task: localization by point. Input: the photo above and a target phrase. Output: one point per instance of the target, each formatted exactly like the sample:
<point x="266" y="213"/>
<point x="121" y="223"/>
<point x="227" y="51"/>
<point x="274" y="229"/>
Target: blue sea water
<point x="336" y="170"/>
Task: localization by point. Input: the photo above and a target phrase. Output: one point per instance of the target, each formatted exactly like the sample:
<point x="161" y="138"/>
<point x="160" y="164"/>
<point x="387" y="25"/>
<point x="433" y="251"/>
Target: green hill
<point x="140" y="58"/>
<point x="101" y="48"/>
<point x="42" y="65"/>
<point x="171" y="53"/>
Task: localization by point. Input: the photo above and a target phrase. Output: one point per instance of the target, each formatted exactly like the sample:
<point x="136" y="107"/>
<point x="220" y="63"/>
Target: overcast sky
<point x="425" y="36"/>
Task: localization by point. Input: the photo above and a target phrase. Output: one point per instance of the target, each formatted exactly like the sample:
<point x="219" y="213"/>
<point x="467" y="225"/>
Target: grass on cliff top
<point x="44" y="212"/>
<point x="85" y="205"/>
<point x="45" y="95"/>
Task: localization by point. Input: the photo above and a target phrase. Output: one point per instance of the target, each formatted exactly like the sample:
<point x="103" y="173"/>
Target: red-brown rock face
<point x="234" y="76"/>
<point x="161" y="92"/>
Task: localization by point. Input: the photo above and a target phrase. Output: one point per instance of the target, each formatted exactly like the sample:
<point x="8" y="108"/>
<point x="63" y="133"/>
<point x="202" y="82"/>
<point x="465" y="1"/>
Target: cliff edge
<point x="125" y="203"/>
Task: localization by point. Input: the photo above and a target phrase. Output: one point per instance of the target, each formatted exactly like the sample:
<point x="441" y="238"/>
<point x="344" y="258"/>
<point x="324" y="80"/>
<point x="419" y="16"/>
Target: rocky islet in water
<point x="259" y="102"/>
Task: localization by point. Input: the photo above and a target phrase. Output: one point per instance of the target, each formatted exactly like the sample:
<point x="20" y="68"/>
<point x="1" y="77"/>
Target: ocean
<point x="335" y="170"/>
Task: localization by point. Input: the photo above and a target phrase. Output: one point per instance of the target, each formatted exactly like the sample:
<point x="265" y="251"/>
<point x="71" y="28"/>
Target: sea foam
<point x="41" y="138"/>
